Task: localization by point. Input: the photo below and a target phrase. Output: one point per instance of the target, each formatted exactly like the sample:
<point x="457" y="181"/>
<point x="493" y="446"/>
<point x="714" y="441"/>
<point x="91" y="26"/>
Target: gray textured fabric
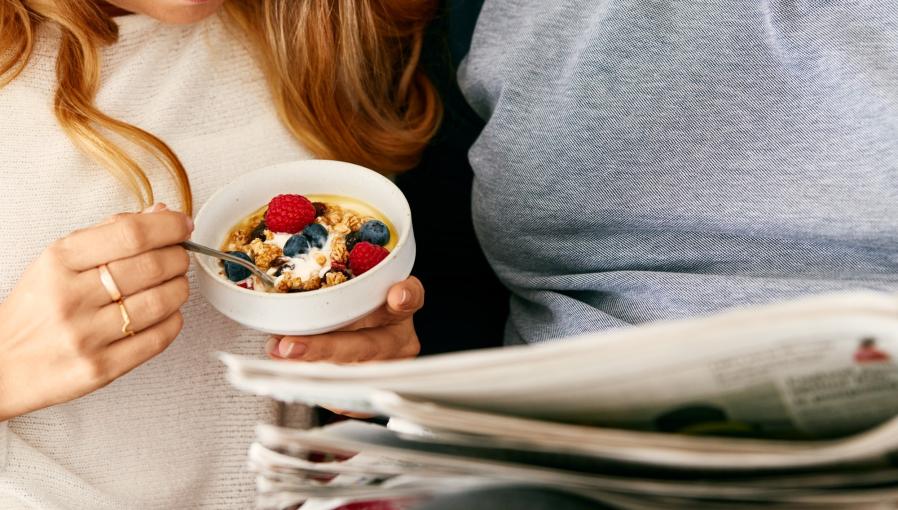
<point x="648" y="159"/>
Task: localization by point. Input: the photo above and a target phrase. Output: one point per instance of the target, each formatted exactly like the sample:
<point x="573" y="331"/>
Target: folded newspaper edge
<point x="432" y="422"/>
<point x="845" y="303"/>
<point x="812" y="380"/>
<point x="818" y="367"/>
<point x="429" y="467"/>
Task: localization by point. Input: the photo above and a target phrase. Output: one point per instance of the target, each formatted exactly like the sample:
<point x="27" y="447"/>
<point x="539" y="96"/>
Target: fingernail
<point x="271" y="345"/>
<point x="155" y="208"/>
<point x="405" y="297"/>
<point x="190" y="224"/>
<point x="291" y="349"/>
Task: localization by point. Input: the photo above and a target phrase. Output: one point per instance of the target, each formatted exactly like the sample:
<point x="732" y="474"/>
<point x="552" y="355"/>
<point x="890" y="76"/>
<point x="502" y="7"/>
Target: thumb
<point x="405" y="298"/>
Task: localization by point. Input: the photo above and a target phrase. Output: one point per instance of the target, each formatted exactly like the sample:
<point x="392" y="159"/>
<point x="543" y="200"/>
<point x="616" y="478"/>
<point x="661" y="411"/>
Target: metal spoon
<point x="205" y="250"/>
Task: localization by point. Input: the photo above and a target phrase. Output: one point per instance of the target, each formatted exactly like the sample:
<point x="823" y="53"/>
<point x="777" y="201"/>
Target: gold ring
<point x="126" y="319"/>
<point x="109" y="283"/>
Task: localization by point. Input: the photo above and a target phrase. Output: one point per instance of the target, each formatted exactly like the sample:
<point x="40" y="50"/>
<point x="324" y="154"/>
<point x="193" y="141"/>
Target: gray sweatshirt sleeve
<point x="647" y="160"/>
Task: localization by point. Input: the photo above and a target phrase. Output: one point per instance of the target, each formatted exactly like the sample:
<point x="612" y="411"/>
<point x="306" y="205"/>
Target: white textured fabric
<point x="172" y="433"/>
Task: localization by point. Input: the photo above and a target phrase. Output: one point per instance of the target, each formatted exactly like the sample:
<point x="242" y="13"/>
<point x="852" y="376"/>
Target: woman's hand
<point x="387" y="333"/>
<point x="61" y="334"/>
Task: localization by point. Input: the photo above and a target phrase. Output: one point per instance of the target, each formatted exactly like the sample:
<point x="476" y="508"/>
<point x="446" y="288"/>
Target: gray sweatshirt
<point x="654" y="159"/>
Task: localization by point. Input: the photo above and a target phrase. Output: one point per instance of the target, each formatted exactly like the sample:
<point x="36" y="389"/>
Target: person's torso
<point x="650" y="160"/>
<point x="172" y="433"/>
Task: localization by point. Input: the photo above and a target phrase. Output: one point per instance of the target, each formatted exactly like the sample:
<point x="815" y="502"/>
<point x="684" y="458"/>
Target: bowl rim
<point x="403" y="235"/>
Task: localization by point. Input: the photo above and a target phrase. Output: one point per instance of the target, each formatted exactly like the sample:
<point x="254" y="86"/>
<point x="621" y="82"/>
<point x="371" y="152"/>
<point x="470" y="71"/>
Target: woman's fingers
<point x="387" y="333"/>
<point x="123" y="355"/>
<point x="135" y="274"/>
<point x="114" y="218"/>
<point x="387" y="342"/>
<point x="145" y="309"/>
<point x="403" y="300"/>
<point x="120" y="216"/>
<point x="125" y="237"/>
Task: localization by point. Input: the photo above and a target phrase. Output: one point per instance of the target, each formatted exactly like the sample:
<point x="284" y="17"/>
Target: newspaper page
<point x="434" y="423"/>
<point x="818" y="368"/>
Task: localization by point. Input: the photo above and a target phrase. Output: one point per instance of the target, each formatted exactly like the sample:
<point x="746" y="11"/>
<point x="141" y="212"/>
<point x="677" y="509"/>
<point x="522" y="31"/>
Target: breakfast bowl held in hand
<point x="334" y="236"/>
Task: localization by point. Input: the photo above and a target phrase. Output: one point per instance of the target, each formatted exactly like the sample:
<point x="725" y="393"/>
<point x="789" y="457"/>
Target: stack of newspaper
<point x="788" y="405"/>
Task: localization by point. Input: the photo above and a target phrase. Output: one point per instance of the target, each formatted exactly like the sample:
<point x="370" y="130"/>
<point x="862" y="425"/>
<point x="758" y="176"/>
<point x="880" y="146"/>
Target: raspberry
<point x="289" y="213"/>
<point x="365" y="256"/>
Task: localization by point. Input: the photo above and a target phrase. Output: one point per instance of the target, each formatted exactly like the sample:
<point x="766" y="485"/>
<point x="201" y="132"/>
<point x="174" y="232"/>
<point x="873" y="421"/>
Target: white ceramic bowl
<point x="318" y="311"/>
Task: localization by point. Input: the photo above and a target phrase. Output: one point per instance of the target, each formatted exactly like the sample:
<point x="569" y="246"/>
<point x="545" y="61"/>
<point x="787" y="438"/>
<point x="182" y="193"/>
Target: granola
<point x="262" y="253"/>
<point x="334" y="278"/>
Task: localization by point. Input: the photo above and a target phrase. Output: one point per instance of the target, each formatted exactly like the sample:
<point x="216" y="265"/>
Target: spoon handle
<point x="205" y="250"/>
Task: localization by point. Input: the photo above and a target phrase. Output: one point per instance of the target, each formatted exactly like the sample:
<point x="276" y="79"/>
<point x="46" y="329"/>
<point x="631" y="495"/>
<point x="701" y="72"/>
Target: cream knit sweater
<point x="172" y="433"/>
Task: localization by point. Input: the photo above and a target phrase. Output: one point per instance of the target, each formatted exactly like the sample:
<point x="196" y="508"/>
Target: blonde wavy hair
<point x="344" y="76"/>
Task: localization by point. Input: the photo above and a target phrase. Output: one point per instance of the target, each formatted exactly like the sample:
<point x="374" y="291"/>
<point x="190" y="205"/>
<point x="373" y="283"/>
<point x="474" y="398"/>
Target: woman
<point x="172" y="113"/>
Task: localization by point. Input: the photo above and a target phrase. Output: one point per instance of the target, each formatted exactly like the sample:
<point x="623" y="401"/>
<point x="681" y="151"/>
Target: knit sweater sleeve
<point x="4" y="431"/>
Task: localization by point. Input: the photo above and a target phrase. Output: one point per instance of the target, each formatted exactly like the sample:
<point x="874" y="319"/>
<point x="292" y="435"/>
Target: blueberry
<point x="258" y="232"/>
<point x="351" y="240"/>
<point x="296" y="245"/>
<point x="236" y="272"/>
<point x="375" y="232"/>
<point x="316" y="234"/>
